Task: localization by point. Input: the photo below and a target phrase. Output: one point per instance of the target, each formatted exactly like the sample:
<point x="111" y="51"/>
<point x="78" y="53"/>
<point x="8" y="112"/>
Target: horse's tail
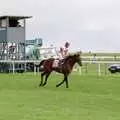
<point x="40" y="65"/>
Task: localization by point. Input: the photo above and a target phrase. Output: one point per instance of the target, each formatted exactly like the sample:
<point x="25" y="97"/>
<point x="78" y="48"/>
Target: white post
<point x="38" y="70"/>
<point x="13" y="67"/>
<point x="25" y="67"/>
<point x="105" y="68"/>
<point x="79" y="69"/>
<point x="34" y="69"/>
<point x="99" y="70"/>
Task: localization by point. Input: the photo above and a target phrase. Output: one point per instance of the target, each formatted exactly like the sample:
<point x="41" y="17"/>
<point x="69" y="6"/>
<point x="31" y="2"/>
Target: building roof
<point x="15" y="17"/>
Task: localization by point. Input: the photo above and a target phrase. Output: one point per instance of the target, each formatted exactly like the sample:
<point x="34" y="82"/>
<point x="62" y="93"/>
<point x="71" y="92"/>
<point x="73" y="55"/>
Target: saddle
<point x="61" y="61"/>
<point x="58" y="63"/>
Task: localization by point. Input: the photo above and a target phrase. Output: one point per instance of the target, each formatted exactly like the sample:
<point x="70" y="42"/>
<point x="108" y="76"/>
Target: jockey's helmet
<point x="67" y="44"/>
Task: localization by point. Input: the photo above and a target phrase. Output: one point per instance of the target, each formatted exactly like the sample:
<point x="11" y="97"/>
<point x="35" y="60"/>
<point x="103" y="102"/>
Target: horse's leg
<point x="42" y="74"/>
<point x="61" y="82"/>
<point x="66" y="80"/>
<point x="46" y="78"/>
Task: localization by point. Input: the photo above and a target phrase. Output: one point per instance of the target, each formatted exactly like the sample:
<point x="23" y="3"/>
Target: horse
<point x="65" y="67"/>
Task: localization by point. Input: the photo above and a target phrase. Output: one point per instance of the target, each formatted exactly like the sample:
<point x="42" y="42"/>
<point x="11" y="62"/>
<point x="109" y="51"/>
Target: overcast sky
<point x="88" y="24"/>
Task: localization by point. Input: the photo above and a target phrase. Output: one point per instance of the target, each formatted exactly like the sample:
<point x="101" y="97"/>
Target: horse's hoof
<point x="57" y="85"/>
<point x="40" y="85"/>
<point x="44" y="84"/>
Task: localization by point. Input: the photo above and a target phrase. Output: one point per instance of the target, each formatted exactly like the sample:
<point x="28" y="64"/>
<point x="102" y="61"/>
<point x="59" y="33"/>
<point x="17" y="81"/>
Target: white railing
<point x="102" y="57"/>
<point x="80" y="71"/>
<point x="34" y="61"/>
<point x="98" y="65"/>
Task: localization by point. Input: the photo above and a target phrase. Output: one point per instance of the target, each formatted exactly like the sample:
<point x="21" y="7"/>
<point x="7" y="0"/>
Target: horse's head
<point x="78" y="58"/>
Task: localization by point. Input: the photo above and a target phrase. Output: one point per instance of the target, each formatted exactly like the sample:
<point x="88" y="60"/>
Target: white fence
<point x="98" y="68"/>
<point x="78" y="69"/>
<point x="101" y="57"/>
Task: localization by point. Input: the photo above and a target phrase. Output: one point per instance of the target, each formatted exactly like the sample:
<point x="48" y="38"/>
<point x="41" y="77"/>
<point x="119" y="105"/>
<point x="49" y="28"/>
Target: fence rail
<point x="35" y="61"/>
<point x="78" y="69"/>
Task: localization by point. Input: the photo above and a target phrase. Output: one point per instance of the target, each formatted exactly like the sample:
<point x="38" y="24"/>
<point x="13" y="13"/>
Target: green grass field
<point x="89" y="97"/>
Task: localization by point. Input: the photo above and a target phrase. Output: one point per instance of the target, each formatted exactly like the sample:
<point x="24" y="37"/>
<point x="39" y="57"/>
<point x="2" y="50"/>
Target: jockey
<point x="63" y="52"/>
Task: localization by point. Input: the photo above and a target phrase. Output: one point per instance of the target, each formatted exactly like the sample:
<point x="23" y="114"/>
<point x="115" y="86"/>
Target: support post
<point x="79" y="70"/>
<point x="13" y="67"/>
<point x="99" y="69"/>
<point x="34" y="69"/>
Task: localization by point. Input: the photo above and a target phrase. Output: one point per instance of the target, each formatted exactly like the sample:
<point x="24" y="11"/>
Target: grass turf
<point x="88" y="98"/>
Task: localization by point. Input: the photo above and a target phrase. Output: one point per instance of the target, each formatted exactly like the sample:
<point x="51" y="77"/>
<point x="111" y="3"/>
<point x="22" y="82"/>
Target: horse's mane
<point x="71" y="55"/>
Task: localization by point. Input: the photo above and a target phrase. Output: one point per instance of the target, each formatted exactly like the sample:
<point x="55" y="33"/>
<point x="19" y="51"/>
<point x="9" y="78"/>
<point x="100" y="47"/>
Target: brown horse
<point x="64" y="67"/>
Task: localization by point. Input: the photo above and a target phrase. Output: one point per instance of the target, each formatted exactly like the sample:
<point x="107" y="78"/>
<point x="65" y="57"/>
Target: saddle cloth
<point x="57" y="63"/>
